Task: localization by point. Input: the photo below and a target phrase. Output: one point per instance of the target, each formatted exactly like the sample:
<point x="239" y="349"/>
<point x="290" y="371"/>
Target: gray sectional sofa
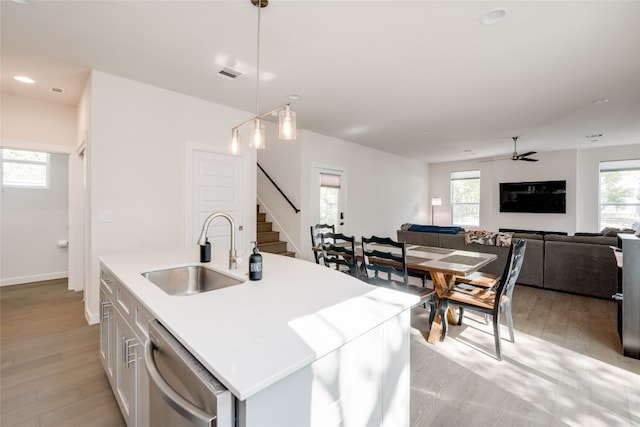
<point x="579" y="264"/>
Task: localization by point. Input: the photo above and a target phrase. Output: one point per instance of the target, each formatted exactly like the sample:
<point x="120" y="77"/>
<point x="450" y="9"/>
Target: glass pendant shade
<point x="287" y="124"/>
<point x="235" y="141"/>
<point x="257" y="137"/>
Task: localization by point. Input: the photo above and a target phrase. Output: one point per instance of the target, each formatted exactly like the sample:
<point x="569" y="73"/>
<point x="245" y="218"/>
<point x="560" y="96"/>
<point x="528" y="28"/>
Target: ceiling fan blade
<point x="526" y="159"/>
<point x="527" y="154"/>
<point x="493" y="160"/>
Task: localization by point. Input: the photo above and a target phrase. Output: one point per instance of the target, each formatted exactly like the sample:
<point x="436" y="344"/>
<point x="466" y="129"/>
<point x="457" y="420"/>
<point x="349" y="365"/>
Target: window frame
<point x="464" y="176"/>
<point x="617" y="166"/>
<point x="46" y="163"/>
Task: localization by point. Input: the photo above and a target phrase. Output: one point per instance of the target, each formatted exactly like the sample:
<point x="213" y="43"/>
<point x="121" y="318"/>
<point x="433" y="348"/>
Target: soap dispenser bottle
<point x="255" y="264"/>
<point x="205" y="252"/>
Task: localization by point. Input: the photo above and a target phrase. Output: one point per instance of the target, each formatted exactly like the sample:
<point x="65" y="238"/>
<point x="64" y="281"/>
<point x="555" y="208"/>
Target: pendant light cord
<point x="258" y="63"/>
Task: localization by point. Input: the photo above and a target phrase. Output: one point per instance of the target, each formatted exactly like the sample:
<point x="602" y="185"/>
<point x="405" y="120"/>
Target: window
<point x="465" y="198"/>
<point x="329" y="198"/>
<point x="27" y="169"/>
<point x="619" y="193"/>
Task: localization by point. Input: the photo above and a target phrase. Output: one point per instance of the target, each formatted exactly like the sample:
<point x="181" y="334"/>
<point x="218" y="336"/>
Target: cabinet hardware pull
<point x="104" y="310"/>
<point x="129" y="356"/>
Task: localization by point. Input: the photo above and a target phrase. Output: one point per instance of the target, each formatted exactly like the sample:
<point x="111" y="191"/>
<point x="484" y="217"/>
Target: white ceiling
<point x="422" y="79"/>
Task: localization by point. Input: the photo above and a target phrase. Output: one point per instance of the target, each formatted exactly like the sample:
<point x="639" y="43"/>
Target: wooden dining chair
<point x="384" y="262"/>
<point x="339" y="252"/>
<point x="487" y="300"/>
<point x="316" y="231"/>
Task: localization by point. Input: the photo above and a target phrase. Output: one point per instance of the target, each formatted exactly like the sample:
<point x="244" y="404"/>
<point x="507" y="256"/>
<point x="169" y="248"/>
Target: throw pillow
<point x="503" y="239"/>
<point x="480" y="237"/>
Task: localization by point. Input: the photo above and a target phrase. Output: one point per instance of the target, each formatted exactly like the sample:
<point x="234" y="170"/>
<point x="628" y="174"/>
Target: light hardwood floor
<point x="50" y="371"/>
<point x="565" y="368"/>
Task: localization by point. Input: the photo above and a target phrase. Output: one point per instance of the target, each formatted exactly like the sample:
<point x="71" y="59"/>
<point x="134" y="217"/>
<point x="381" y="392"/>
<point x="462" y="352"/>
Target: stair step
<point x="273" y="247"/>
<point x="264" y="226"/>
<point x="268" y="236"/>
<point x="269" y="240"/>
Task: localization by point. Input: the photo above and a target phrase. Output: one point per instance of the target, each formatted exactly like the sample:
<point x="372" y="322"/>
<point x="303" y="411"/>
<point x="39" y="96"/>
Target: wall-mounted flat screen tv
<point x="534" y="197"/>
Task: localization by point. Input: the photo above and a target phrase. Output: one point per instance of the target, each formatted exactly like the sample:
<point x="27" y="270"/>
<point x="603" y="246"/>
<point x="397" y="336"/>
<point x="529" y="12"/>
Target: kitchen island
<point x="305" y="345"/>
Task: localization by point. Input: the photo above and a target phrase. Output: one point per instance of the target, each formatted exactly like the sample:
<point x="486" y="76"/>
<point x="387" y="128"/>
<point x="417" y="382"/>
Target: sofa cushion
<point x="417" y="238"/>
<point x="596" y="240"/>
<point x="581" y="264"/>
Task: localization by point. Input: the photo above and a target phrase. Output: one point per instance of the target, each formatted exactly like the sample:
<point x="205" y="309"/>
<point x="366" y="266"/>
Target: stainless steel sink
<point x="190" y="280"/>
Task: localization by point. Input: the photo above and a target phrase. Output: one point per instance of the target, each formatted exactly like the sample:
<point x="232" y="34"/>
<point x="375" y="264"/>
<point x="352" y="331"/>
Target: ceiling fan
<point x="515" y="156"/>
<point x="523" y="156"/>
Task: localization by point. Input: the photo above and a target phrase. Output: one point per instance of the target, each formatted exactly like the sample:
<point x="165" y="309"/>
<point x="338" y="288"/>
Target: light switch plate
<point x="105" y="216"/>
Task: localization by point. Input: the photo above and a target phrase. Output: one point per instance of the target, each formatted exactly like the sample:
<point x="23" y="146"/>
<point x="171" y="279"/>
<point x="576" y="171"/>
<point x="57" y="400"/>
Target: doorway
<point x="35" y="215"/>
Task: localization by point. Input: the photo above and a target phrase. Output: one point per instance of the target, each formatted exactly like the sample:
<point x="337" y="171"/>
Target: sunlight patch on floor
<point x="554" y="378"/>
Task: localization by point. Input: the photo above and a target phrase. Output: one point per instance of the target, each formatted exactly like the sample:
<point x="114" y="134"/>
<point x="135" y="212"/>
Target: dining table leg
<point x="442" y="283"/>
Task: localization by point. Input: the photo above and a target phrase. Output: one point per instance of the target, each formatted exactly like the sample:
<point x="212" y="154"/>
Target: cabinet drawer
<point x="124" y="302"/>
<point x="141" y="318"/>
<point x="107" y="282"/>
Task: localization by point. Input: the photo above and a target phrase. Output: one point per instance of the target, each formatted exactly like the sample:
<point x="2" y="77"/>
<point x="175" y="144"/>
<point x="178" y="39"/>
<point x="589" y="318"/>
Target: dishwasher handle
<point x="181" y="405"/>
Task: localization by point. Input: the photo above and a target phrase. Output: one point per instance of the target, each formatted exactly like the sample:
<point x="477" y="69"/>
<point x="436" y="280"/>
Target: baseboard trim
<point x="92" y="319"/>
<point x="34" y="278"/>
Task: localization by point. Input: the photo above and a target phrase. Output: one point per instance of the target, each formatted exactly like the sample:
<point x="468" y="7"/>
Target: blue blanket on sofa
<point x="435" y="229"/>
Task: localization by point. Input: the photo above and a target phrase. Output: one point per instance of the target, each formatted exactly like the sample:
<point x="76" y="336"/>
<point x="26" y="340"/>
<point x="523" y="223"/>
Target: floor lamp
<point x="435" y="201"/>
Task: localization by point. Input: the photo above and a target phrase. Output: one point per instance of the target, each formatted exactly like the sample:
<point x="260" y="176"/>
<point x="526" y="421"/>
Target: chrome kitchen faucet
<point x="202" y="240"/>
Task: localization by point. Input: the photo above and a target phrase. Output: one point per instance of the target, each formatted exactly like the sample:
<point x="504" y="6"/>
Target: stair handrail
<point x="278" y="188"/>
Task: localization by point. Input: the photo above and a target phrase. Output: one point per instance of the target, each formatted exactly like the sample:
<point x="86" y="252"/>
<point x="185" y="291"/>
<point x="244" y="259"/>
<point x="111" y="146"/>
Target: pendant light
<point x="286" y="117"/>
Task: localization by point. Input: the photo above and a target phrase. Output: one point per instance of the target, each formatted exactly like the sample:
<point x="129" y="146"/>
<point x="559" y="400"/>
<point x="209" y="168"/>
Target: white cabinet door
<point x="126" y="365"/>
<point x="106" y="334"/>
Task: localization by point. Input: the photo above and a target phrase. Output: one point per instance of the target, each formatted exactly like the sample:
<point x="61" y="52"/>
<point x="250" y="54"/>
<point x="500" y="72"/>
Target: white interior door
<point x="217" y="184"/>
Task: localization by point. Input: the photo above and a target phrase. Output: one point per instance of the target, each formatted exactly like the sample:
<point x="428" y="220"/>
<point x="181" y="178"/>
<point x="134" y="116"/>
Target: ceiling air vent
<point x="229" y="73"/>
<point x="594" y="137"/>
<point x="57" y="90"/>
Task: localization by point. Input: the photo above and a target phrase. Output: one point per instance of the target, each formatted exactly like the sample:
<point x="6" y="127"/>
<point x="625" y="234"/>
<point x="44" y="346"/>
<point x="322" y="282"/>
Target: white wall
<point x="282" y="161"/>
<point x="29" y="122"/>
<point x="136" y="160"/>
<point x="33" y="221"/>
<point x="578" y="167"/>
<point x="383" y="190"/>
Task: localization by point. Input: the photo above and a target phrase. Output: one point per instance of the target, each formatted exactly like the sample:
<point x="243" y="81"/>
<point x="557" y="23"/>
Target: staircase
<point x="269" y="240"/>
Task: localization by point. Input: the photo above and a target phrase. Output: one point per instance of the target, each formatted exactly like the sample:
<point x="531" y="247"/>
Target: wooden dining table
<point x="443" y="265"/>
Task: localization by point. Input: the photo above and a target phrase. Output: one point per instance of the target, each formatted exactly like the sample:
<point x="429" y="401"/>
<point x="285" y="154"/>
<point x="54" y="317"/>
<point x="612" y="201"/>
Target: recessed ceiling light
<point x="25" y="79"/>
<point x="22" y="1"/>
<point x="493" y="16"/>
<point x="295" y="96"/>
<point x="426" y="132"/>
<point x="599" y="101"/>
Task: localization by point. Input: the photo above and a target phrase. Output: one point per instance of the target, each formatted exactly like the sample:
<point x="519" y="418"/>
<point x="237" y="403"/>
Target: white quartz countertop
<point x="254" y="334"/>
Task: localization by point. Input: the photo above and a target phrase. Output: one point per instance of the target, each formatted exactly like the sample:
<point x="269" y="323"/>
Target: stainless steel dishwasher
<point x="182" y="393"/>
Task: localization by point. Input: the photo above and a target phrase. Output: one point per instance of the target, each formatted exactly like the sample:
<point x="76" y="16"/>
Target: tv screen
<point x="533" y="197"/>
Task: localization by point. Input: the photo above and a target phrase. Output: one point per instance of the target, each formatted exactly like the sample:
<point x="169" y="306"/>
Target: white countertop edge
<point x="167" y="309"/>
